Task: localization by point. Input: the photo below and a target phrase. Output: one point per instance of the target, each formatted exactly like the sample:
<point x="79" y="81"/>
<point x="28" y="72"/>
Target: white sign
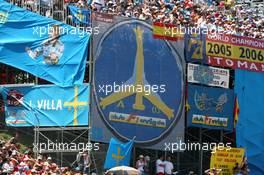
<point x="208" y="75"/>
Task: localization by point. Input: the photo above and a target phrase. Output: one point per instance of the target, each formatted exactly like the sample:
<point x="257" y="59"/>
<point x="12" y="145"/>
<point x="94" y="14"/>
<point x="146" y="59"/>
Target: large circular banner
<point x="138" y="82"/>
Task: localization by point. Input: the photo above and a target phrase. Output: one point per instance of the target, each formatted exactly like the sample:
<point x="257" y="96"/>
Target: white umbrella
<point x="122" y="170"/>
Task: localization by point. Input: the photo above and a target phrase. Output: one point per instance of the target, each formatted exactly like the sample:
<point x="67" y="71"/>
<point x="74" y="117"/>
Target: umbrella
<point x="122" y="170"/>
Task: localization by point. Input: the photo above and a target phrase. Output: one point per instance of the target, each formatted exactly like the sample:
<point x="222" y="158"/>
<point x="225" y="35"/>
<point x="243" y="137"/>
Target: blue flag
<point x="80" y="16"/>
<point x="210" y="107"/>
<point x="41" y="46"/>
<point x="46" y="105"/>
<point x="118" y="154"/>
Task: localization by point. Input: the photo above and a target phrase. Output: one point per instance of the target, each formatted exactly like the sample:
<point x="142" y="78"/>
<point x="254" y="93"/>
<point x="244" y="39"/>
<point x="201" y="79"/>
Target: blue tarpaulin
<point x="250" y="127"/>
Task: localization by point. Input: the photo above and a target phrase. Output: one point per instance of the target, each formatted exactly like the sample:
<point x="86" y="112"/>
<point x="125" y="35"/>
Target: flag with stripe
<point x="236" y="112"/>
<point x="167" y="32"/>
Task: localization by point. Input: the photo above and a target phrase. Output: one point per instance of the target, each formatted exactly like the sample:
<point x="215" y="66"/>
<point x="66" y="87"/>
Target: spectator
<point x="140" y="164"/>
<point x="20" y="171"/>
<point x="244" y="166"/>
<point x="83" y="161"/>
<point x="147" y="166"/>
<point x="6" y="169"/>
<point x="237" y="169"/>
<point x="168" y="166"/>
<point x="160" y="166"/>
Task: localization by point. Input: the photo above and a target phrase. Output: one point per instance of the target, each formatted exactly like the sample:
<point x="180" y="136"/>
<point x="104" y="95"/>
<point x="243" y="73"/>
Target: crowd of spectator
<point x="14" y="162"/>
<point x="237" y="19"/>
<point x="223" y="15"/>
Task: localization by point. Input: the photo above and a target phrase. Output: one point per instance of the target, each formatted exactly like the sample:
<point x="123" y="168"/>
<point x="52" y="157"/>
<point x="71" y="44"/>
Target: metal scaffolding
<point x="58" y="140"/>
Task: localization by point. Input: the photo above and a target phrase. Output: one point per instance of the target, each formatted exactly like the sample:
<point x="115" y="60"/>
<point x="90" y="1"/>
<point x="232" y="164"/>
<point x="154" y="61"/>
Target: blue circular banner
<point x="139" y="82"/>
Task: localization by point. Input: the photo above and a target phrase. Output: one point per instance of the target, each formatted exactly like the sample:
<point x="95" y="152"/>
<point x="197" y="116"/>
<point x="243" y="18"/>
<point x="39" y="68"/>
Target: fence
<point x="56" y="9"/>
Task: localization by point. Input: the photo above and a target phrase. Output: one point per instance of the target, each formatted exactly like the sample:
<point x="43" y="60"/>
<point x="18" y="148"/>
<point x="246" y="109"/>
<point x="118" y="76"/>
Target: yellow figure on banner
<point x="75" y="104"/>
<point x="79" y="15"/>
<point x="3" y="17"/>
<point x="138" y="79"/>
<point x="51" y="49"/>
<point x="196" y="42"/>
<point x="187" y="106"/>
<point x="118" y="157"/>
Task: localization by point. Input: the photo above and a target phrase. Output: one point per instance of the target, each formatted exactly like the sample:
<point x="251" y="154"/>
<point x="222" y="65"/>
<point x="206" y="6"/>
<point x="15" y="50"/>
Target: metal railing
<point x="55" y="9"/>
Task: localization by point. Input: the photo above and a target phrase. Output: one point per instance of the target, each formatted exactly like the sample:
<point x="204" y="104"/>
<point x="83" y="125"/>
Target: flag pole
<point x="134" y="153"/>
<point x="134" y="138"/>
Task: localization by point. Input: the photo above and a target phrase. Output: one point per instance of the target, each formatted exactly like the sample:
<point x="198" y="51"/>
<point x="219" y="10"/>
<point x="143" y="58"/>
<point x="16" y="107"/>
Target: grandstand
<point x="185" y="161"/>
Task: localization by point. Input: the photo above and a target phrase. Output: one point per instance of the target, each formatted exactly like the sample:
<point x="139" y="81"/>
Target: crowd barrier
<point x="56" y="9"/>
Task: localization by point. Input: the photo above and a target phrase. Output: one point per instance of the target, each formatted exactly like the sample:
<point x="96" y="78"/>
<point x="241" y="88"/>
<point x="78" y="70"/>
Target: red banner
<point x="236" y="52"/>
